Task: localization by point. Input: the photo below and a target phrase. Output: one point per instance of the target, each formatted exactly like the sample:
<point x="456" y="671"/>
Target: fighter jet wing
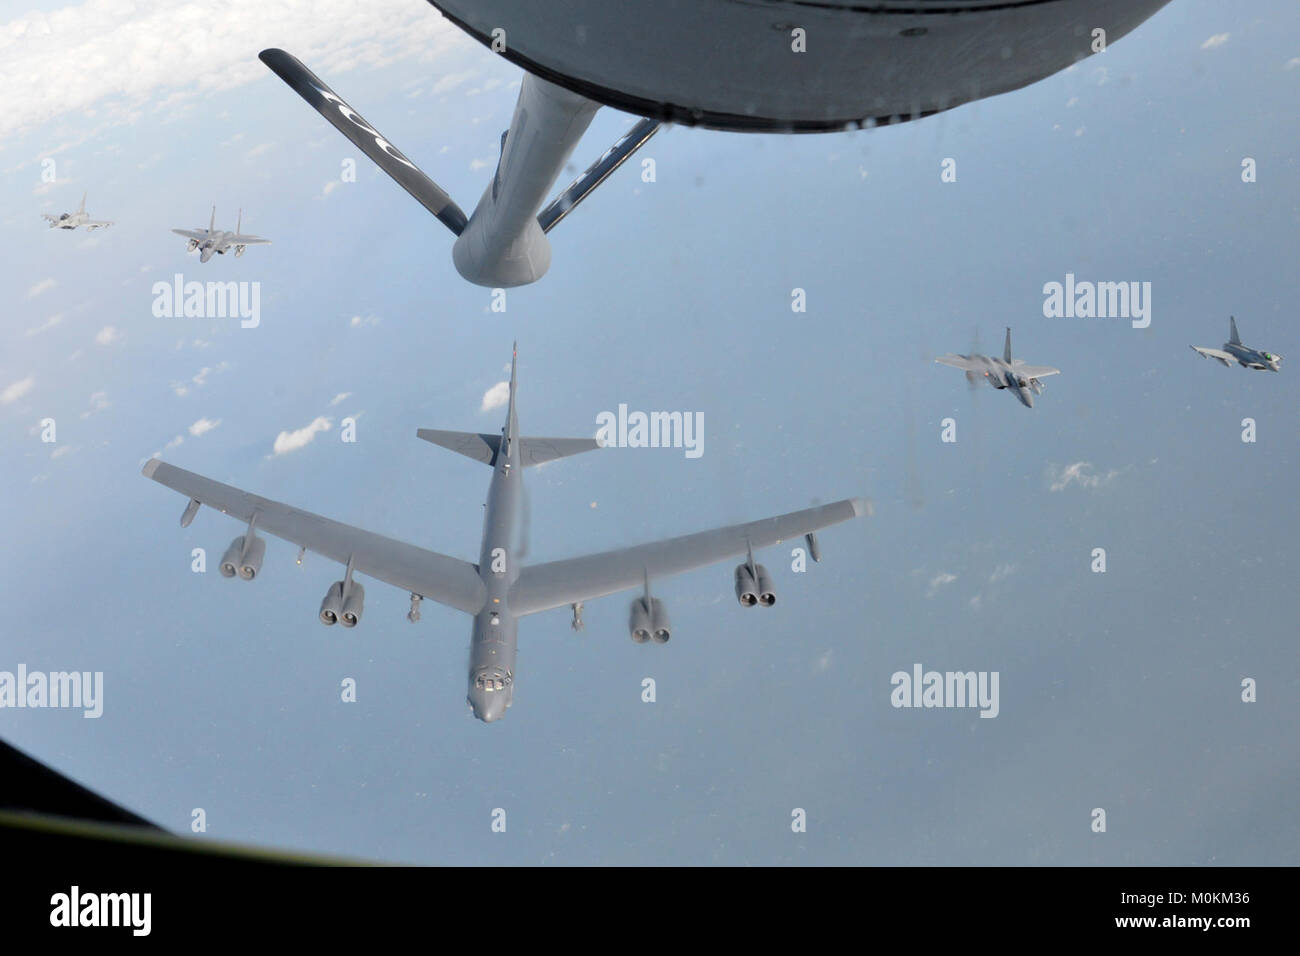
<point x="199" y="234"/>
<point x="247" y="241"/>
<point x="446" y="580"/>
<point x="1224" y="357"/>
<point x="98" y="224"/>
<point x="1036" y="371"/>
<point x="544" y="586"/>
<point x="48" y="218"/>
<point x="966" y="362"/>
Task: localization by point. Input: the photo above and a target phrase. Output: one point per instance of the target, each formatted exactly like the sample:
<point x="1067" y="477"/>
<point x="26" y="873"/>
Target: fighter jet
<point x="1235" y="352"/>
<point x="1005" y="372"/>
<point x="213" y="240"/>
<point x="748" y="67"/>
<point x="71" y="220"/>
<point x="498" y="591"/>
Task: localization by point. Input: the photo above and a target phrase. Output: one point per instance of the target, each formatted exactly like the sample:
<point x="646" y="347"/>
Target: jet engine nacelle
<point x="746" y="586"/>
<point x="241" y="560"/>
<point x="353" y="605"/>
<point x="239" y="251"/>
<point x="766" y="587"/>
<point x="1037" y="386"/>
<point x="191" y="245"/>
<point x="332" y="606"/>
<point x="638" y="624"/>
<point x="661" y="628"/>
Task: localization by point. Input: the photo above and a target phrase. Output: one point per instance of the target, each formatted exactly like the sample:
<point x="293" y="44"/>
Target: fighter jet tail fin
<point x="365" y="137"/>
<point x="1233" y="337"/>
<point x="82" y="208"/>
<point x="1006" y="349"/>
<point x="212" y="223"/>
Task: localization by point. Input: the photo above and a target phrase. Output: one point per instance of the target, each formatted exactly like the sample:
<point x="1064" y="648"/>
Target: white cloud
<point x="178" y="440"/>
<point x="45" y="285"/>
<point x="1002" y="571"/>
<point x="340" y="397"/>
<point x="45" y="326"/>
<point x="476" y="164"/>
<point x="1292" y="63"/>
<point x="452" y="80"/>
<point x="203" y="426"/>
<point x="286" y="442"/>
<point x="108" y="59"/>
<point x="98" y="402"/>
<point x="495" y="397"/>
<point x="358" y="321"/>
<point x="941" y="579"/>
<point x="330" y="186"/>
<point x="17" y="390"/>
<point x="823" y="663"/>
<point x="107" y="335"/>
<point x="62" y="450"/>
<point x="1215" y="41"/>
<point x="1080" y="473"/>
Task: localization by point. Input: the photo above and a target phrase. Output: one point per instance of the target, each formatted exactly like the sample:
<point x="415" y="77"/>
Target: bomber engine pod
<point x="251" y="563"/>
<point x="352" y="606"/>
<point x="766" y="588"/>
<point x="244" y="560"/>
<point x="638" y="625"/>
<point x="332" y="606"/>
<point x="661" y="628"/>
<point x="230" y="560"/>
<point x="746" y="586"/>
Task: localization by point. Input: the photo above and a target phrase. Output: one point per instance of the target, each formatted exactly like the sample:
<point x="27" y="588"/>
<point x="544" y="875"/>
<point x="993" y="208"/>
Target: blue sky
<point x="1118" y="690"/>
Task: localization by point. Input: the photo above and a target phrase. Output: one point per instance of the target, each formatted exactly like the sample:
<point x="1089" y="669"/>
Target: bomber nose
<point x="488" y="707"/>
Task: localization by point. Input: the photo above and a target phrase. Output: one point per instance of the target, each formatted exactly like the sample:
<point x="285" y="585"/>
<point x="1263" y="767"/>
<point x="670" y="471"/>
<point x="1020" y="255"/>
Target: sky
<point x="1120" y="691"/>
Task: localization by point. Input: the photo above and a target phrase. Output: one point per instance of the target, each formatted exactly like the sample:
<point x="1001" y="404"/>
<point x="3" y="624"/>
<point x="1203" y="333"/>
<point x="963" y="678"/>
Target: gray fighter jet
<point x="1006" y="372"/>
<point x="71" y="220"/>
<point x="212" y="240"/>
<point x="1235" y="352"/>
<point x="497" y="591"/>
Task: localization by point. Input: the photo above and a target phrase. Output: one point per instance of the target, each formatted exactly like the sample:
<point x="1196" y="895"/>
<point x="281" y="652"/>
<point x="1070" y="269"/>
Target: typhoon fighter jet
<point x="71" y="220"/>
<point x="770" y="66"/>
<point x="498" y="590"/>
<point x="1236" y="353"/>
<point x="213" y="240"/>
<point x="1005" y="372"/>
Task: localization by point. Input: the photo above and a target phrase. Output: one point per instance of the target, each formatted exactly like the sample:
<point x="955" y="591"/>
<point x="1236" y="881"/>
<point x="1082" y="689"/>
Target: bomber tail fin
<point x="484" y="448"/>
<point x="1233" y="338"/>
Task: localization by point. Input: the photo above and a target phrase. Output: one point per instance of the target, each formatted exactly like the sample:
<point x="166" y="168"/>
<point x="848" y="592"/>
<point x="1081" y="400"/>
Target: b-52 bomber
<point x="213" y="241"/>
<point x="1003" y="373"/>
<point x="1236" y="353"/>
<point x="498" y="591"/>
<point x="71" y="220"/>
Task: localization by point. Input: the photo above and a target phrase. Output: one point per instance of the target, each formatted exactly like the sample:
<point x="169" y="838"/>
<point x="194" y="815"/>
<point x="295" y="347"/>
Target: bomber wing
<point x="446" y="580"/>
<point x="545" y="586"/>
